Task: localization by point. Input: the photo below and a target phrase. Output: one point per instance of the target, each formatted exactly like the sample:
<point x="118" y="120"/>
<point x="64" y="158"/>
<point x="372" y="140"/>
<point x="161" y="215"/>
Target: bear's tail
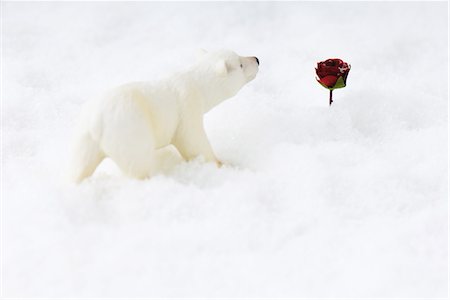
<point x="86" y="156"/>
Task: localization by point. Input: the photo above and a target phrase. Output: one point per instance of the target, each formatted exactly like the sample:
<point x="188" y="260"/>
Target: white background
<point x="347" y="201"/>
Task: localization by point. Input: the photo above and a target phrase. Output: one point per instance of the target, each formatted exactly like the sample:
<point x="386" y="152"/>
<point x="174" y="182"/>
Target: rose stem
<point x="331" y="97"/>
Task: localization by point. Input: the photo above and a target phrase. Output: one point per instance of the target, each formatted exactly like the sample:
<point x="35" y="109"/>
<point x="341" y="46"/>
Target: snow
<point x="314" y="201"/>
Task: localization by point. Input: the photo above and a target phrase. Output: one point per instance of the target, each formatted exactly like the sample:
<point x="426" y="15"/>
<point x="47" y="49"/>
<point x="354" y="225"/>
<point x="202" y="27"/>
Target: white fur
<point x="132" y="121"/>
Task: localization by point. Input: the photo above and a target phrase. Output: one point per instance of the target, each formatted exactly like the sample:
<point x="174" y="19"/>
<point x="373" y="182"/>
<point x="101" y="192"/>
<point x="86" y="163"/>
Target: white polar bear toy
<point x="129" y="123"/>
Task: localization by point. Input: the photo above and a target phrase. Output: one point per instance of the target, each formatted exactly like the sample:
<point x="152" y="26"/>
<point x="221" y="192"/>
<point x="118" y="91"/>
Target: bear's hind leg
<point x="129" y="140"/>
<point x="86" y="157"/>
<point x="138" y="164"/>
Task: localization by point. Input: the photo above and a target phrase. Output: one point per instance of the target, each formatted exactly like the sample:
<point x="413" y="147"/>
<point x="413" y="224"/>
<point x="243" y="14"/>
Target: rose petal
<point x="328" y="81"/>
<point x="332" y="67"/>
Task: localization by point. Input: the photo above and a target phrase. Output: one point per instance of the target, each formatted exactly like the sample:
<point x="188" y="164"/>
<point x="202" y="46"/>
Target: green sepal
<point x="340" y="83"/>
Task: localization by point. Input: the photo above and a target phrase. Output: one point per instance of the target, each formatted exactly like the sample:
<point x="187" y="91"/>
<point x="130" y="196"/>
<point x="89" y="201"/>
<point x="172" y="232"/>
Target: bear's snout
<point x="257" y="60"/>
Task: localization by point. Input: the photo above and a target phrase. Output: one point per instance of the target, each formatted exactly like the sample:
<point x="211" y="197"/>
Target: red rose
<point x="332" y="73"/>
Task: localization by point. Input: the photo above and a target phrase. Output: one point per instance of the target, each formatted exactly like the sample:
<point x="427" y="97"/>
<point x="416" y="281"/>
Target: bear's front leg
<point x="191" y="141"/>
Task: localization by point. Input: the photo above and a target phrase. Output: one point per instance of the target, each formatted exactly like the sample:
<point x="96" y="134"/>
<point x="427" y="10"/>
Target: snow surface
<point x="347" y="201"/>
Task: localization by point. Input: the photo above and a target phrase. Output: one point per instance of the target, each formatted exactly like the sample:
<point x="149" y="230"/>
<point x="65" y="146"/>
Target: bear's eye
<point x="241" y="66"/>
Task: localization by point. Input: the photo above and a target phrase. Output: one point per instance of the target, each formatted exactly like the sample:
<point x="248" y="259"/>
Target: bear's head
<point x="227" y="72"/>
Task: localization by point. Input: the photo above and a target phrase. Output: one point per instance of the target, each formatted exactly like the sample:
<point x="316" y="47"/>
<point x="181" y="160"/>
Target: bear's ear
<point x="200" y="53"/>
<point x="221" y="68"/>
